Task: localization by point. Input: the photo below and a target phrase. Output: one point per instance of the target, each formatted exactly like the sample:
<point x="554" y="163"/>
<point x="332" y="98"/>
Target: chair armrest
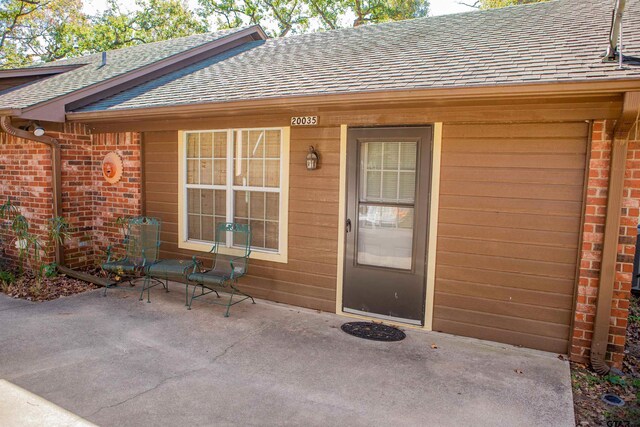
<point x="196" y="264"/>
<point x="233" y="270"/>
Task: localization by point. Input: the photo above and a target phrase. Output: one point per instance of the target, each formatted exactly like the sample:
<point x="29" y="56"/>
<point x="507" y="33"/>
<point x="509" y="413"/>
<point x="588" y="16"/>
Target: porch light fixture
<point x="34" y="127"/>
<point x="312" y="159"/>
<point x="38" y="130"/>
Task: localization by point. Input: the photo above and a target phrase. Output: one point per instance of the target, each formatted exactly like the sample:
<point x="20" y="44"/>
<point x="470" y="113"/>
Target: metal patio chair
<point x="141" y="244"/>
<point x="226" y="269"/>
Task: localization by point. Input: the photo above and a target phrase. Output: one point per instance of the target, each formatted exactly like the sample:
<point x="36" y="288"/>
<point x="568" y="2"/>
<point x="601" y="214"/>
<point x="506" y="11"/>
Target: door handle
<point x="348" y="226"/>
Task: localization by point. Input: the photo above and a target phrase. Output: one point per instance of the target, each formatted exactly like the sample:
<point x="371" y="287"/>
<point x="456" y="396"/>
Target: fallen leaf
<point x="434" y="346"/>
<point x="518" y="371"/>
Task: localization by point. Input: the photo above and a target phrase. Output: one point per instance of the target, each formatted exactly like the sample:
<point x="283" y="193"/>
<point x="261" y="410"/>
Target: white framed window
<point x="235" y="175"/>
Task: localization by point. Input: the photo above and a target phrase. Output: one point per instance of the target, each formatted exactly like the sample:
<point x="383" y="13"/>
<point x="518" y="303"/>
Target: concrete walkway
<point x="116" y="361"/>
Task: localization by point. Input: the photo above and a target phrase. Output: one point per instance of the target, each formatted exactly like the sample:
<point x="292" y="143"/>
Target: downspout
<point x="56" y="171"/>
<point x="629" y="116"/>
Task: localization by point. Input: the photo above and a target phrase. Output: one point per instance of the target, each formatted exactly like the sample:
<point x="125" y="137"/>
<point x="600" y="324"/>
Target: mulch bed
<point x="49" y="288"/>
<point x="589" y="387"/>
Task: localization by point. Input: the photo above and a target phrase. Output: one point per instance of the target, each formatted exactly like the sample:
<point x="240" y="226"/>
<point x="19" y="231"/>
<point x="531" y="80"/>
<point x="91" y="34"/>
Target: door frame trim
<point x="434" y="199"/>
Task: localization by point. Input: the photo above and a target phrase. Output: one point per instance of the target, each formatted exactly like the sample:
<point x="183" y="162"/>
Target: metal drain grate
<point x="373" y="331"/>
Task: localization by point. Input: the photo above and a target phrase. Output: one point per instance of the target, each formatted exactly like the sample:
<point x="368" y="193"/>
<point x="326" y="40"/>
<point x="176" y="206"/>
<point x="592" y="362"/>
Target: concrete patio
<point x="116" y="361"/>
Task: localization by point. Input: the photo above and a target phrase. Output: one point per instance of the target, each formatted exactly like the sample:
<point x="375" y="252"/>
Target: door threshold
<point x="382" y="317"/>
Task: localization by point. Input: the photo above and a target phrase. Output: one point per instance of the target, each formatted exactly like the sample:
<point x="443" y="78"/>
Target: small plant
<point x="58" y="230"/>
<point x="634" y="319"/>
<point x="50" y="270"/>
<point x="7" y="277"/>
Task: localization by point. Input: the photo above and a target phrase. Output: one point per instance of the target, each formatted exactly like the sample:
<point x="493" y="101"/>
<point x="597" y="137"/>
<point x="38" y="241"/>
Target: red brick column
<point x="77" y="193"/>
<point x="591" y="253"/>
<point x="120" y="199"/>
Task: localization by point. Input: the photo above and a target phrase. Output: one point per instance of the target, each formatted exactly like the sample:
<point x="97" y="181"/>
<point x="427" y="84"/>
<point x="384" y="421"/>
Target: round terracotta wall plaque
<point x="112" y="167"/>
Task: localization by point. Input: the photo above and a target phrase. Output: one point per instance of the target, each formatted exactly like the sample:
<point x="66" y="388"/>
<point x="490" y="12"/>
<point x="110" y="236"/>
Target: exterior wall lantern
<point x="312" y="159"/>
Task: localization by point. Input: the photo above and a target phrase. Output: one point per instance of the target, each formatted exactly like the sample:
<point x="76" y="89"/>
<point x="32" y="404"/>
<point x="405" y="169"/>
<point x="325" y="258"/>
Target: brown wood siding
<point x="309" y="278"/>
<point x="510" y="211"/>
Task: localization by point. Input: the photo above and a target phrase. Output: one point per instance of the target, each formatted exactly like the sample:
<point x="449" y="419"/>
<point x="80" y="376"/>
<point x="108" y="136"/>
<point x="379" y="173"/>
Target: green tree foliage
<point x="151" y="20"/>
<point x="32" y="29"/>
<point x="282" y="17"/>
<point x="494" y="4"/>
<point x="47" y="30"/>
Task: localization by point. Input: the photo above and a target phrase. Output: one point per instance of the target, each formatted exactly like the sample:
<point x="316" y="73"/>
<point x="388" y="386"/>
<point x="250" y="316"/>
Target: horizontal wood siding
<point x="309" y="278"/>
<point x="510" y="210"/>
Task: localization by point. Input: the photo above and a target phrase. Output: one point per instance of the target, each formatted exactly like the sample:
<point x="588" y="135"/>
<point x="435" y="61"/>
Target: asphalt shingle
<point x="556" y="41"/>
<point x="560" y="40"/>
<point x="119" y="62"/>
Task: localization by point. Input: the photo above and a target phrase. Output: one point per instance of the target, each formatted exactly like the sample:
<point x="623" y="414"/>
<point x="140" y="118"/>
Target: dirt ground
<point x="589" y="387"/>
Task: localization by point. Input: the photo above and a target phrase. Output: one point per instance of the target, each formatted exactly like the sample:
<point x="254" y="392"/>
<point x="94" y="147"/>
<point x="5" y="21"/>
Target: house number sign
<point x="304" y="121"/>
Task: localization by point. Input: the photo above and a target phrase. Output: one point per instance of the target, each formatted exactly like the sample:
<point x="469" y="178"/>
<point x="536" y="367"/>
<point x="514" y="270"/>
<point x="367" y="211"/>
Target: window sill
<point x="206" y="247"/>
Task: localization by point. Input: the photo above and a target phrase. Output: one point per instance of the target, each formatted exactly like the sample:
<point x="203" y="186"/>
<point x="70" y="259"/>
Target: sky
<point x="438" y="7"/>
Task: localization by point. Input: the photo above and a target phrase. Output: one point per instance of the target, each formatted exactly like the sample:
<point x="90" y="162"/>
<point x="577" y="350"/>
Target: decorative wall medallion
<point x="112" y="167"/>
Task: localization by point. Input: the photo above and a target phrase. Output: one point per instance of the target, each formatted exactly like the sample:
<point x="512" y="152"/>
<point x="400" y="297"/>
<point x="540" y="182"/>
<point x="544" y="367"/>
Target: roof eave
<point x="37" y="71"/>
<point x="388" y="96"/>
<point x="55" y="109"/>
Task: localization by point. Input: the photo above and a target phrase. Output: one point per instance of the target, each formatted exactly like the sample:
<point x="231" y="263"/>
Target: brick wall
<point x="115" y="200"/>
<point x="591" y="255"/>
<point x="25" y="177"/>
<point x="90" y="204"/>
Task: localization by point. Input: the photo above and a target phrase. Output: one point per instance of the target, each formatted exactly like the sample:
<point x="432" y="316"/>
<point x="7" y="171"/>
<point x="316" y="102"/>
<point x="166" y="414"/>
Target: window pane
<point x="408" y="156"/>
<point x="374" y="155"/>
<point x="206" y="172"/>
<point x="372" y="191"/>
<point x="385" y="236"/>
<point x="207" y="202"/>
<point x="208" y="230"/>
<point x="239" y="177"/>
<point x="254" y="208"/>
<point x="390" y="186"/>
<point x="272" y="173"/>
<point x="256" y="177"/>
<point x="407" y="187"/>
<point x="206" y="145"/>
<point x="241" y="204"/>
<point x="272" y="144"/>
<point x="256" y="144"/>
<point x="194" y="227"/>
<point x="271" y="235"/>
<point x="223" y="237"/>
<point x="220" y="172"/>
<point x="220" y="145"/>
<point x="193" y="201"/>
<point x="257" y="233"/>
<point x="391" y="154"/>
<point x="256" y="205"/>
<point x="193" y="146"/>
<point x="221" y="203"/>
<point x="273" y="206"/>
<point x="193" y="177"/>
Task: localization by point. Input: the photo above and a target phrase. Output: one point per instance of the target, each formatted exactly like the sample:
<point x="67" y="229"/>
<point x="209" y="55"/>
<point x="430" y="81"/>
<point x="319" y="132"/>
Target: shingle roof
<point x="119" y="62"/>
<point x="558" y="41"/>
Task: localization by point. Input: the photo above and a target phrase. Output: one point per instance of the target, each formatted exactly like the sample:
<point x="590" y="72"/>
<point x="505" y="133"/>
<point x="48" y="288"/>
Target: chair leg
<point x="193" y="294"/>
<point x="233" y="291"/>
<point x="144" y="286"/>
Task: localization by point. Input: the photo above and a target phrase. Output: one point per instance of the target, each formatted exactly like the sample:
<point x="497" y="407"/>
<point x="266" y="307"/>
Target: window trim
<point x="200" y="246"/>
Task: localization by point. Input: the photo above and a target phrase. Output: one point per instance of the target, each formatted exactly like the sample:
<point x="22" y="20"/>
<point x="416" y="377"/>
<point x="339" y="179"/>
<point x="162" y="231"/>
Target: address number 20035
<point x="304" y="121"/>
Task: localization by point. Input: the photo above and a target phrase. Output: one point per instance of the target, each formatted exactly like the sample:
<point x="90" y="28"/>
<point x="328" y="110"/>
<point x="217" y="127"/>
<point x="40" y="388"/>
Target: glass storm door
<point x="388" y="172"/>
